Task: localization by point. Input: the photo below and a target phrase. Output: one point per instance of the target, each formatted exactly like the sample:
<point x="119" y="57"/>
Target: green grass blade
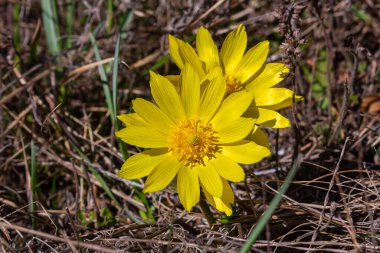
<point x="122" y="146"/>
<point x="126" y="22"/>
<point x="69" y="22"/>
<point x="16" y="32"/>
<point x="97" y="29"/>
<point x="51" y="28"/>
<point x="115" y="66"/>
<point x="98" y="177"/>
<point x="109" y="15"/>
<point x="50" y="21"/>
<point x="159" y="63"/>
<point x="114" y="75"/>
<point x="272" y="207"/>
<point x="94" y="33"/>
<point x="102" y="71"/>
<point x="33" y="179"/>
<point x="103" y="78"/>
<point x="104" y="185"/>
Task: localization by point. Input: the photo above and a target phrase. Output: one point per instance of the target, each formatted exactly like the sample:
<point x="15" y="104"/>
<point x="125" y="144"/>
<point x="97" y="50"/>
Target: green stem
<point x="264" y="219"/>
<point x="206" y="211"/>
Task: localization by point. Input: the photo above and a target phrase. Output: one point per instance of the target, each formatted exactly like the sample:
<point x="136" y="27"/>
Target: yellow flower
<point x="191" y="133"/>
<point x="241" y="70"/>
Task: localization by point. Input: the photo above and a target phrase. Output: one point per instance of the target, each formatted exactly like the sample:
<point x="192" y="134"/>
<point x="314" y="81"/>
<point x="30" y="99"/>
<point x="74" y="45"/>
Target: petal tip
<point x="241" y="27"/>
<point x="147" y="189"/>
<point x="152" y="74"/>
<point x="119" y="117"/>
<point x="172" y="39"/>
<point x="188" y="207"/>
<point x="299" y="98"/>
<point x="285" y="69"/>
<point x="267" y="153"/>
<point x="119" y="174"/>
<point x="228" y="211"/>
<point x="118" y="133"/>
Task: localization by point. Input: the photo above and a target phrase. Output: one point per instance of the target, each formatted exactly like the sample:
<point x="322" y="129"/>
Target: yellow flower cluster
<point x="204" y="123"/>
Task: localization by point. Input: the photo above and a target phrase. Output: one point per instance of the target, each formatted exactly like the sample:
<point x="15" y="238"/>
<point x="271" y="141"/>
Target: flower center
<point x="232" y="84"/>
<point x="193" y="140"/>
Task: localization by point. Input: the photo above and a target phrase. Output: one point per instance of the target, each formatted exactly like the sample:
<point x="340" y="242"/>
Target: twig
<point x="56" y="238"/>
<point x="76" y="193"/>
<point x="89" y="66"/>
<point x="91" y="191"/>
<point x="347" y="93"/>
<point x="316" y="231"/>
<point x="342" y="115"/>
<point x="109" y="174"/>
<point x="351" y="227"/>
<point x="30" y="83"/>
<point x="72" y="224"/>
<point x="216" y="5"/>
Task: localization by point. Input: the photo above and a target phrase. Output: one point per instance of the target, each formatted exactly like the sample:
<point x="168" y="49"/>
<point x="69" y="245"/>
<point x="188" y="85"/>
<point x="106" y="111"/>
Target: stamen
<point x="232" y="84"/>
<point x="191" y="141"/>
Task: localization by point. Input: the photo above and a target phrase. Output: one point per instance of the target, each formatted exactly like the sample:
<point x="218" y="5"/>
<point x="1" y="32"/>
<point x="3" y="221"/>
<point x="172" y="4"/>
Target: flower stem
<point x="206" y="211"/>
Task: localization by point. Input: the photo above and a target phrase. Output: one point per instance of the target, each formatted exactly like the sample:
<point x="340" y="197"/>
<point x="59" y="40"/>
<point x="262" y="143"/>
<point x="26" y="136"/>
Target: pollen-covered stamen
<point x="191" y="141"/>
<point x="232" y="84"/>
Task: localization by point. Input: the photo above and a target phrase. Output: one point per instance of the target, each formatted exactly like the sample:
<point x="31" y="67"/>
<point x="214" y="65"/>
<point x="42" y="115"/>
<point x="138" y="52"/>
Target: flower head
<point x="241" y="70"/>
<point x="192" y="134"/>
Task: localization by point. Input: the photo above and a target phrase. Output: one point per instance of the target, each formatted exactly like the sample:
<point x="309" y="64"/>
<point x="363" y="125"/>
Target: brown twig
<point x="72" y="224"/>
<point x="56" y="238"/>
<point x="92" y="192"/>
<point x="316" y="231"/>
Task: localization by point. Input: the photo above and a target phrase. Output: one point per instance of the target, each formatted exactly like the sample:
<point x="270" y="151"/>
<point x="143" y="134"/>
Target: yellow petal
<point x="233" y="48"/>
<point x="227" y="168"/>
<point x="273" y="119"/>
<point x="286" y="103"/>
<point x="166" y="97"/>
<point x="228" y="194"/>
<point x="207" y="79"/>
<point x="132" y="119"/>
<point x="251" y="112"/>
<point x="210" y="179"/>
<point x="269" y="76"/>
<point x="211" y="98"/>
<point x="266" y="117"/>
<point x="143" y="137"/>
<point x="162" y="174"/>
<point x="245" y="152"/>
<point x="151" y="114"/>
<point x="174" y="45"/>
<point x="235" y="130"/>
<point x="258" y="137"/>
<point x="209" y="197"/>
<point x="190" y="91"/>
<point x="212" y="74"/>
<point x="252" y="61"/>
<point x="189" y="55"/>
<point x="207" y="50"/>
<point x="271" y="96"/>
<point x="188" y="187"/>
<point x="141" y="164"/>
<point x="232" y="108"/>
<point x="222" y="204"/>
<point x="174" y="79"/>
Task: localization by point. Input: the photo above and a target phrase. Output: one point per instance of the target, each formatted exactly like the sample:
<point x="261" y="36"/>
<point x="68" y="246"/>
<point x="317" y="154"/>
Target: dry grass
<point x="53" y="111"/>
